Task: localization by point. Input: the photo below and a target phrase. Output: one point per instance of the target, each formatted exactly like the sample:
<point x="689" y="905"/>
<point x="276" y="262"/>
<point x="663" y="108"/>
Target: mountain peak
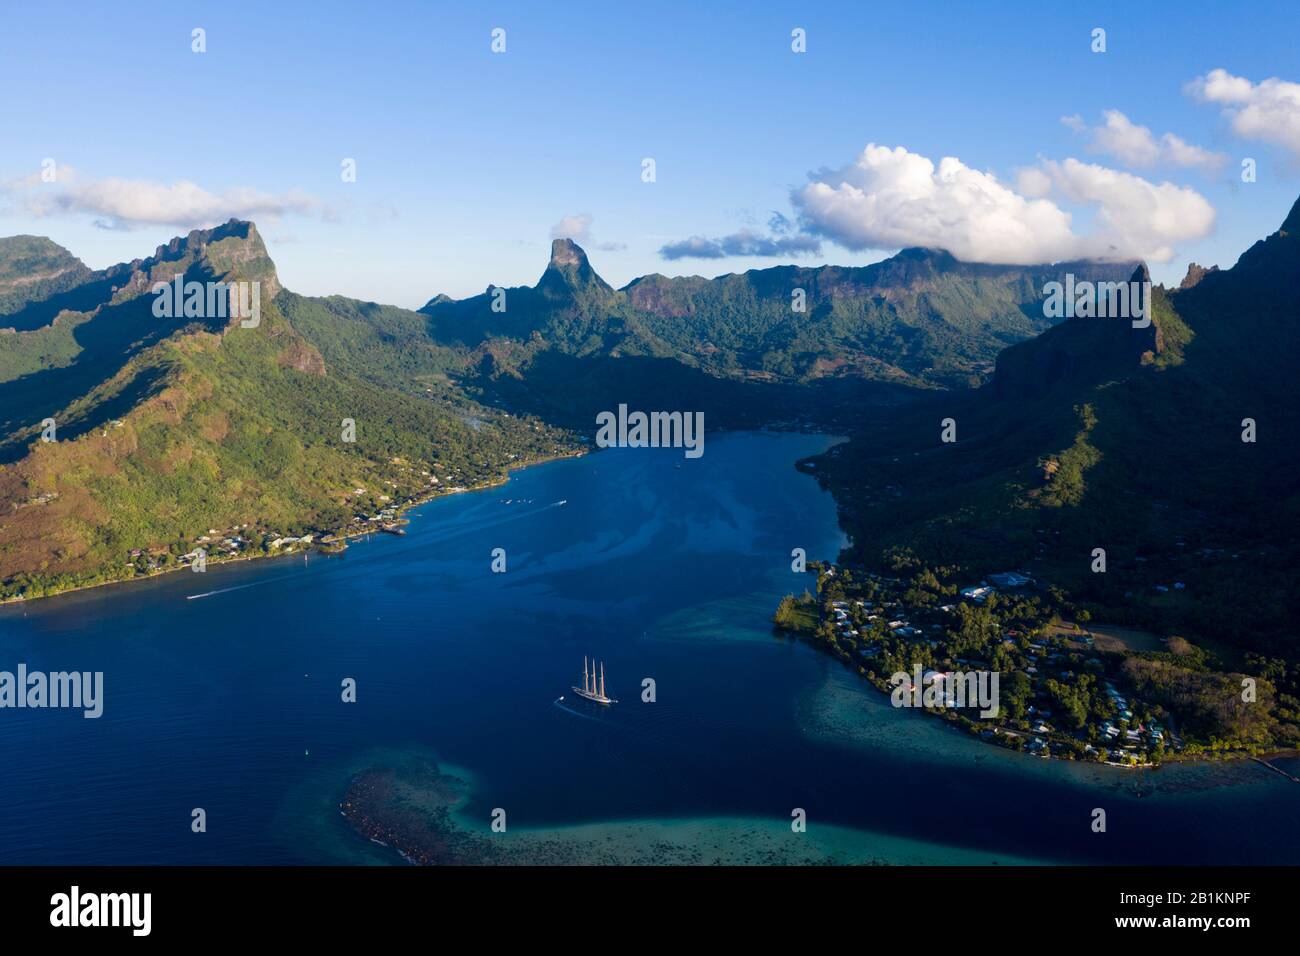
<point x="232" y="248"/>
<point x="940" y="258"/>
<point x="569" y="269"/>
<point x="566" y="252"/>
<point x="1195" y="273"/>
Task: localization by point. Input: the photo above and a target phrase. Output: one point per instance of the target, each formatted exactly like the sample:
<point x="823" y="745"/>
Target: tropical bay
<point x="232" y="703"/>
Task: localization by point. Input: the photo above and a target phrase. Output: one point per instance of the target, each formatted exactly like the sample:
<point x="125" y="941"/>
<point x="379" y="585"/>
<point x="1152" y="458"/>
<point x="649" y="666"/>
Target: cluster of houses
<point x="226" y="547"/>
<point x="217" y="545"/>
<point x="207" y="545"/>
<point x="1122" y="739"/>
<point x="243" y="539"/>
<point x="844" y="626"/>
<point x="386" y="514"/>
<point x="1133" y="740"/>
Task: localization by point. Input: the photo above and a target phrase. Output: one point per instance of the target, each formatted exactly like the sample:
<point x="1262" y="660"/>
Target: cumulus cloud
<point x="128" y="203"/>
<point x="1136" y="146"/>
<point x="743" y="242"/>
<point x="1033" y="183"/>
<point x="1135" y="218"/>
<point x="1181" y="153"/>
<point x="891" y="198"/>
<point x="578" y="228"/>
<point x="1268" y="111"/>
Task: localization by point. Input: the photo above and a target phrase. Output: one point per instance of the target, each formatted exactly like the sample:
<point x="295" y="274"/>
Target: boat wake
<point x="570" y="710"/>
<point x="237" y="587"/>
<point x="486" y="523"/>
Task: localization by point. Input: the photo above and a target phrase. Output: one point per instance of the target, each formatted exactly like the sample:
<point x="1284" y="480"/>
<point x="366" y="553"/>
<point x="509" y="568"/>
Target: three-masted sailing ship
<point x="591" y="688"/>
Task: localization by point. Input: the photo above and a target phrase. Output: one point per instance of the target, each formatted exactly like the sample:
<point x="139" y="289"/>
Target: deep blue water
<point x="231" y="702"/>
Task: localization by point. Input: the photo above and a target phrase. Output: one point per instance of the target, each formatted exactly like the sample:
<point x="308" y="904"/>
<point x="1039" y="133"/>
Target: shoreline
<point x="335" y="537"/>
<point x="1049" y="742"/>
<point x="1262" y="758"/>
<point x="580" y="451"/>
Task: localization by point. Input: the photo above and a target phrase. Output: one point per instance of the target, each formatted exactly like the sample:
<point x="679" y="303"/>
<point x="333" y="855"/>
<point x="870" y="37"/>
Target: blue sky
<point x="467" y="160"/>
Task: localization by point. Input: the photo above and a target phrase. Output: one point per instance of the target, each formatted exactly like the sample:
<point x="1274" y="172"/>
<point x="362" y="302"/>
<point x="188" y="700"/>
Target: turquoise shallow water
<point x="231" y="702"/>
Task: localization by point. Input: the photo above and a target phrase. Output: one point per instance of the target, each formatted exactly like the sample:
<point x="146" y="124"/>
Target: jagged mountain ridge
<point x="71" y="344"/>
<point x="169" y="427"/>
<point x="920" y="318"/>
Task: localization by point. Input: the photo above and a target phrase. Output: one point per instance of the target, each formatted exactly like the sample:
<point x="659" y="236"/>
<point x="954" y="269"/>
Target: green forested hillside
<point x="171" y="429"/>
<point x="1098" y="435"/>
<point x="32" y="268"/>
<point x="383" y="344"/>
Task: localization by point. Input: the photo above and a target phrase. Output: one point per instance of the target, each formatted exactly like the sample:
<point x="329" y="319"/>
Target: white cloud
<point x="1181" y="153"/>
<point x="1033" y="183"/>
<point x="1136" y="146"/>
<point x="1131" y="144"/>
<point x="891" y="198"/>
<point x="127" y="203"/>
<point x="1268" y="111"/>
<point x="1135" y="218"/>
<point x="576" y="227"/>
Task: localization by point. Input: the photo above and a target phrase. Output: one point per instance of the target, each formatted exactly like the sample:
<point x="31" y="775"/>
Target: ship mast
<point x="584" y="673"/>
<point x="602" y="678"/>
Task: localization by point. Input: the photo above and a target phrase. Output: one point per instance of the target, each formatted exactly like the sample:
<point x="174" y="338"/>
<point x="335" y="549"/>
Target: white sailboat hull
<point x="596" y="697"/>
